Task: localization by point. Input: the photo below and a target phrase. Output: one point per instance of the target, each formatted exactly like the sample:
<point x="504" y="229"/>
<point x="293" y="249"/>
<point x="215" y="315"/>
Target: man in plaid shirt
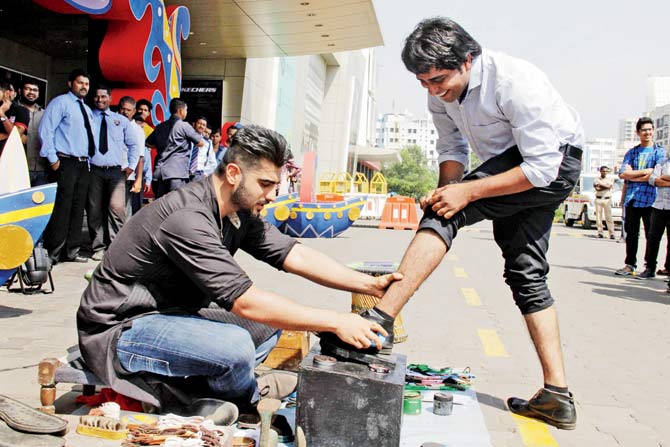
<point x="636" y="169"/>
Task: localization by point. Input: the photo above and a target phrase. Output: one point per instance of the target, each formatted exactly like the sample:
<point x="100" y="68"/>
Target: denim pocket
<point x="132" y="362"/>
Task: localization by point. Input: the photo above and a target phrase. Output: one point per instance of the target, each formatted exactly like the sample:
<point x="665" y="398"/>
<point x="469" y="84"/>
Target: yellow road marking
<point x="493" y="347"/>
<point x="459" y="272"/>
<point x="471" y="297"/>
<point x="26" y="213"/>
<point x="576" y="235"/>
<point x="534" y="433"/>
<point x="452" y="257"/>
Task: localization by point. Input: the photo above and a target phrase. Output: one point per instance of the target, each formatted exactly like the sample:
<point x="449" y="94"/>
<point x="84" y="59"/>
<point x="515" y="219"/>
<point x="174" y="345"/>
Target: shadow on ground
<point x="12" y="312"/>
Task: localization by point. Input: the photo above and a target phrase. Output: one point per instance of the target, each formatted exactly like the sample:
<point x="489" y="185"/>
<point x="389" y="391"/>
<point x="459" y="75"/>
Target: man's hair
<point x="198" y="118"/>
<point x="127" y="100"/>
<point x="5" y="85"/>
<point x="215" y="131"/>
<point x="144" y="102"/>
<point x="29" y="82"/>
<point x="642" y="121"/>
<point x="176" y="104"/>
<point x="138" y="117"/>
<point x="438" y="43"/>
<point x="104" y="87"/>
<point x="604" y="167"/>
<point x="253" y="143"/>
<point x="74" y="74"/>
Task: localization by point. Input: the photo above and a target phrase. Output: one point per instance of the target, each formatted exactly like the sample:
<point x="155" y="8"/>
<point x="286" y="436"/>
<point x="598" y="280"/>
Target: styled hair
<point x="642" y="121"/>
<point x="74" y="74"/>
<point x="438" y="43"/>
<point x="144" y="102"/>
<point x="176" y="104"/>
<point x="127" y="100"/>
<point x="253" y="143"/>
<point x="105" y="88"/>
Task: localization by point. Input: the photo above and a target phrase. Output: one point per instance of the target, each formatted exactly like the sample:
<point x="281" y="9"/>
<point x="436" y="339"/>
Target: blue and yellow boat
<point x="323" y="219"/>
<point x="23" y="217"/>
<point x="278" y="211"/>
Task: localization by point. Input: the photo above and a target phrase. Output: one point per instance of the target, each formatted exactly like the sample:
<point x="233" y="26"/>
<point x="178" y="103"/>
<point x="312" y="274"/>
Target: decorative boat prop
<point x="24" y="211"/>
<point x="278" y="211"/>
<point x="325" y="219"/>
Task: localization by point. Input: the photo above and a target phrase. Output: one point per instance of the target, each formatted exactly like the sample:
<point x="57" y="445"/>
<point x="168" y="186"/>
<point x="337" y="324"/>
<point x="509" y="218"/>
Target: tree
<point x="410" y="177"/>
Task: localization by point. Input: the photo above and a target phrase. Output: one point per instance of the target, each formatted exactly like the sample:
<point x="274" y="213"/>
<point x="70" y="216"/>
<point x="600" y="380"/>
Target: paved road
<point x="614" y="331"/>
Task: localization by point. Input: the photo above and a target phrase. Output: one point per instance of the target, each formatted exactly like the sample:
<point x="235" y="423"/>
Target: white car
<point x="580" y="204"/>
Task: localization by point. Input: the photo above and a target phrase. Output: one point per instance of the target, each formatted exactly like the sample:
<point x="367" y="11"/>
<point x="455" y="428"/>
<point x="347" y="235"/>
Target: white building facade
<point x="396" y="131"/>
<point x="599" y="152"/>
<point x="661" y="117"/>
<point x="657" y="91"/>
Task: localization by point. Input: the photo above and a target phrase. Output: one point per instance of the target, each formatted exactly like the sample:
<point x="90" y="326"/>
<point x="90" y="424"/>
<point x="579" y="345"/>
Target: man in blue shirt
<point x="114" y="160"/>
<point x="636" y="169"/>
<point x="67" y="143"/>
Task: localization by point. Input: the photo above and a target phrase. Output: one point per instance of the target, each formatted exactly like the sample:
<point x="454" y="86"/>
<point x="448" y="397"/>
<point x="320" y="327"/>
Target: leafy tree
<point x="411" y="176"/>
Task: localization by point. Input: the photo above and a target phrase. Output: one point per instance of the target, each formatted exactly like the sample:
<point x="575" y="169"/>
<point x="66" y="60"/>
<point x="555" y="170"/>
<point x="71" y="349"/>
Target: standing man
<point x="11" y="115"/>
<point x="37" y="165"/>
<point x="68" y="144"/>
<point x="115" y="159"/>
<point x="659" y="219"/>
<point x="637" y="167"/>
<point x="203" y="159"/>
<point x="603" y="186"/>
<point x="170" y="308"/>
<point x="529" y="141"/>
<point x="173" y="139"/>
<point x="134" y="182"/>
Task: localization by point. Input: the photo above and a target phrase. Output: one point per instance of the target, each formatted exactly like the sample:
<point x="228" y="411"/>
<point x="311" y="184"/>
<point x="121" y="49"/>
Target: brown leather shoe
<point x="277" y="385"/>
<point x="553" y="408"/>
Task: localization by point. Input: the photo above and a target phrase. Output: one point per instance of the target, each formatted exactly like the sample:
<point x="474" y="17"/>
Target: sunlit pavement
<point x="614" y="330"/>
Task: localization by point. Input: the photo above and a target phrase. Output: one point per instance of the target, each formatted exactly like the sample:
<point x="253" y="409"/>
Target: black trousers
<point x="632" y="226"/>
<point x="62" y="236"/>
<point x="660" y="223"/>
<point x="165" y="186"/>
<point x="521" y="225"/>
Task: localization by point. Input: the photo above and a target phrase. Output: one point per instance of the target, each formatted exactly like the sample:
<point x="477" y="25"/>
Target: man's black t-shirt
<point x="18" y="115"/>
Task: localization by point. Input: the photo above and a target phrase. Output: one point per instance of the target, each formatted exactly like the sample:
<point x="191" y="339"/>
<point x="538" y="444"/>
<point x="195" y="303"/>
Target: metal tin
<point x="324" y="361"/>
<point x="378" y="369"/>
<point x="443" y="403"/>
<point x="411" y="403"/>
<point x="239" y="441"/>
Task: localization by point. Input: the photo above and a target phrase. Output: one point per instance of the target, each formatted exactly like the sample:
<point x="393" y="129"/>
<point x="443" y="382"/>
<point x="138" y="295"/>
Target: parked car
<point x="580" y="205"/>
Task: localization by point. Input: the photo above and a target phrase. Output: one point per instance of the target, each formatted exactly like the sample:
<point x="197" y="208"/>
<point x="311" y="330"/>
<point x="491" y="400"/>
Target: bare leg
<point x="543" y="328"/>
<point x="422" y="257"/>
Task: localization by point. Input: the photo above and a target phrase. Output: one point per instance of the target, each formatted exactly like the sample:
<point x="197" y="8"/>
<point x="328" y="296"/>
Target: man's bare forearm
<point x="450" y="171"/>
<point x="508" y="182"/>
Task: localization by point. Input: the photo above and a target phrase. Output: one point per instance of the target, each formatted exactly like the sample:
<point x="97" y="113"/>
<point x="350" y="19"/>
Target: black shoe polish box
<point x="349" y="405"/>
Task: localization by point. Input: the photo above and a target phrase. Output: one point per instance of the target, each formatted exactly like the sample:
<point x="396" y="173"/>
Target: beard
<point x="243" y="200"/>
<point x="27" y="101"/>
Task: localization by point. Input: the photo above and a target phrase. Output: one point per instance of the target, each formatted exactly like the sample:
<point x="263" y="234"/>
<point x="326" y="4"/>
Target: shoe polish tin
<point x="443" y="404"/>
<point x="411" y="403"/>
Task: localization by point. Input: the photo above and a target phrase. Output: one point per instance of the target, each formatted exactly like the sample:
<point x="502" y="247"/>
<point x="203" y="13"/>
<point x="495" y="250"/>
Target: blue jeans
<point x="183" y="346"/>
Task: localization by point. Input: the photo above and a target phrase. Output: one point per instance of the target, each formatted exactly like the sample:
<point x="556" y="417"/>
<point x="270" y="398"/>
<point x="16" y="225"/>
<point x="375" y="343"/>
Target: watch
<point x="3" y="118"/>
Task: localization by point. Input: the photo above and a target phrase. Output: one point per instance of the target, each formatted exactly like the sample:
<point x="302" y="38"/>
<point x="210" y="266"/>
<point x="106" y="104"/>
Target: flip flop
<point x="13" y="438"/>
<point x="20" y="416"/>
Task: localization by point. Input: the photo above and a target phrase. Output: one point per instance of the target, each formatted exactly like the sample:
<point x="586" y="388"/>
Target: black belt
<point x="72" y="157"/>
<point x="107" y="168"/>
<point x="608" y="197"/>
<point x="571" y="151"/>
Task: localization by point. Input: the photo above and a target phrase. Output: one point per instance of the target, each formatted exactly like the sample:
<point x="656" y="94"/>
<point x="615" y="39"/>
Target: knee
<point x="236" y="350"/>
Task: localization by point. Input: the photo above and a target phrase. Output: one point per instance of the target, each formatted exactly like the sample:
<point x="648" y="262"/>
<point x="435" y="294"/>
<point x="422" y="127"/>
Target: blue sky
<point x="596" y="53"/>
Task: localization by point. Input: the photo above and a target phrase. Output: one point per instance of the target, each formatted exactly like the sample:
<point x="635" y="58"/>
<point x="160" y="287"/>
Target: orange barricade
<point x="399" y="214"/>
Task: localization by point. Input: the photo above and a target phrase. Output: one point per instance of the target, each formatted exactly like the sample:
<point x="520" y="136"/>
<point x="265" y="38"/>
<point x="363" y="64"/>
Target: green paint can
<point x="411" y="403"/>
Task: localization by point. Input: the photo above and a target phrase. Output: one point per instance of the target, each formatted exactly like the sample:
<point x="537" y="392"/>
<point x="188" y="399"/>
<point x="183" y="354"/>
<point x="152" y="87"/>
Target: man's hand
<point x="4" y="106"/>
<point x="147" y="188"/>
<point x="383" y="282"/>
<point x="450" y="199"/>
<point x="137" y="185"/>
<point x="55" y="166"/>
<point x="128" y="171"/>
<point x="359" y="332"/>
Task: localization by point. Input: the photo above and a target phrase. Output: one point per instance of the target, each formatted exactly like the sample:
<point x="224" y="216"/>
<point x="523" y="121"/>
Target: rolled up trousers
<point x="521" y="224"/>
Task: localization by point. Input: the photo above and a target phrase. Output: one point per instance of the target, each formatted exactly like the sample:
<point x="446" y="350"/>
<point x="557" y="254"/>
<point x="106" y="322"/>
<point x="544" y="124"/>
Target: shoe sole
<point x="22" y="417"/>
<point x="546" y="419"/>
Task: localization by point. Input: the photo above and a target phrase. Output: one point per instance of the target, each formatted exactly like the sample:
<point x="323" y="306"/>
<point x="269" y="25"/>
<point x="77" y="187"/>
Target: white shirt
<point x="509" y="102"/>
<point x="207" y="158"/>
<point x="662" y="201"/>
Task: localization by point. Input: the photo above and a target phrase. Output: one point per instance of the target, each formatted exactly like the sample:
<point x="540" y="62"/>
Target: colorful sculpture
<point x="151" y="70"/>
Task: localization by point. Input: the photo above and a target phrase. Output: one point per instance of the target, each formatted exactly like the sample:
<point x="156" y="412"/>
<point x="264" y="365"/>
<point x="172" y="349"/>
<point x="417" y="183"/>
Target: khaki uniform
<point x="603" y="204"/>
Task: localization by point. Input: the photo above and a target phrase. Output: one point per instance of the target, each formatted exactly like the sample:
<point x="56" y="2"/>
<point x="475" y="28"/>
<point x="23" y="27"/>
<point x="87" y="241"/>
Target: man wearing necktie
<point x="115" y="159"/>
<point x="66" y="131"/>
